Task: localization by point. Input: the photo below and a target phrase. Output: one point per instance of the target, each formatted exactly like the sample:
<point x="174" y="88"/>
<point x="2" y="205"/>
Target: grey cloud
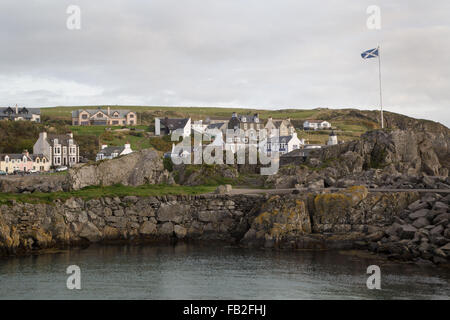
<point x="251" y="53"/>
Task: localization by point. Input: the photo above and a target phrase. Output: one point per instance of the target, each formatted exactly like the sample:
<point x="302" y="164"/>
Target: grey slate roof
<point x="35" y="156"/>
<point x="173" y="124"/>
<point x="247" y="118"/>
<point x="108" y="151"/>
<point x="23" y="112"/>
<point x="215" y="125"/>
<point x="122" y="113"/>
<point x="13" y="156"/>
<point x="281" y="139"/>
<point x="62" y="138"/>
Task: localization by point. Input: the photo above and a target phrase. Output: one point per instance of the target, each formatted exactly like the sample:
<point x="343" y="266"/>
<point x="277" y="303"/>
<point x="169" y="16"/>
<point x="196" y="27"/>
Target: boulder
<point x="147" y="228"/>
<point x="419" y="214"/>
<point x="417" y="205"/>
<point x="318" y="184"/>
<point x="420" y="222"/>
<point x="90" y="232"/>
<point x="407" y="231"/>
<point x="436" y="231"/>
<point x="134" y="169"/>
<point x="224" y="189"/>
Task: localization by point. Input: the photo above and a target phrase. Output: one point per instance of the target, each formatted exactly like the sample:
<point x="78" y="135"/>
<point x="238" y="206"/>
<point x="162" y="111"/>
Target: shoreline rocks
<point x="401" y="225"/>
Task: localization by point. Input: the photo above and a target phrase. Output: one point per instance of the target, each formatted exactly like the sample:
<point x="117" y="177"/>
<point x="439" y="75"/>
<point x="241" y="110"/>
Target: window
<point x="131" y="115"/>
<point x="84" y="116"/>
<point x="100" y="115"/>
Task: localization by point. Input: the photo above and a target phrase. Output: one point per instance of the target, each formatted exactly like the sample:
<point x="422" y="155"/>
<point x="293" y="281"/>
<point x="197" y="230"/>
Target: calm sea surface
<point x="197" y="272"/>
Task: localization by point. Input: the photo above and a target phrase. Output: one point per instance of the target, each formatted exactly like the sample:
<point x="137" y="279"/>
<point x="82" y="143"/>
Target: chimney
<point x="43" y="135"/>
<point x="25" y="152"/>
<point x="109" y="111"/>
<point x="104" y="146"/>
<point x="70" y="134"/>
<point x="234" y="115"/>
<point x="157" y="127"/>
<point x="17" y="109"/>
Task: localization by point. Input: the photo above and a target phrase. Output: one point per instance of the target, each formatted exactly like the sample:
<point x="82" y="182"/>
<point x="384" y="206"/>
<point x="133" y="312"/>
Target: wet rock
<point x="419" y="214"/>
<point x="147" y="228"/>
<point x="436" y="231"/>
<point x="420" y="222"/>
<point x="407" y="231"/>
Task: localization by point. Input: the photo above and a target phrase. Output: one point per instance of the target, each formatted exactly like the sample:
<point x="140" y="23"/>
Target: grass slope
<point x="111" y="191"/>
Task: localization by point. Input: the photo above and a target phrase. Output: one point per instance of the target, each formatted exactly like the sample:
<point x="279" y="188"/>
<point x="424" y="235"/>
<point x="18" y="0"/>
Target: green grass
<point x="97" y="130"/>
<point x="64" y="113"/>
<point x="110" y="191"/>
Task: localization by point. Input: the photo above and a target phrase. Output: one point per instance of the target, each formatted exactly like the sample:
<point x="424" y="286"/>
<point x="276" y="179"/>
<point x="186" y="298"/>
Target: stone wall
<point x="25" y="227"/>
<point x="351" y="218"/>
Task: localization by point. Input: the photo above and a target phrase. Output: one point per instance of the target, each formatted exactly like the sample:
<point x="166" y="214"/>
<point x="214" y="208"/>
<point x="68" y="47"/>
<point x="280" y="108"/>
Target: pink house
<point x="13" y="161"/>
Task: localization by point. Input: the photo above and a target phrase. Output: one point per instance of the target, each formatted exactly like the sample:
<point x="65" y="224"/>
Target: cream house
<point x="105" y="117"/>
<point x="285" y="127"/>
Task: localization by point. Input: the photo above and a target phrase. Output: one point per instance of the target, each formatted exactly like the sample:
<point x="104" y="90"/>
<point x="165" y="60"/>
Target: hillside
<point x="349" y="124"/>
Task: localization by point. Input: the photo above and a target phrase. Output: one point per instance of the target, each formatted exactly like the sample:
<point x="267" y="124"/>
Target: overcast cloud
<point x="267" y="54"/>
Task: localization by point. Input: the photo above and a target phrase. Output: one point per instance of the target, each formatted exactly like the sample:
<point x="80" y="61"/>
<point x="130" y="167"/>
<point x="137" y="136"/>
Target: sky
<point x="270" y="54"/>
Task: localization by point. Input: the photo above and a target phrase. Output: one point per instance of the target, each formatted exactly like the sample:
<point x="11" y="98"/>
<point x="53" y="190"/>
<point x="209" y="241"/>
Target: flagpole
<point x="381" y="96"/>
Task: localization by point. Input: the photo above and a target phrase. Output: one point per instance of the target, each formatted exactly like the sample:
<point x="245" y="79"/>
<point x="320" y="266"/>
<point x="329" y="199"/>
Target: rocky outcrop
<point x="137" y="168"/>
<point x="395" y="159"/>
<point x="280" y="219"/>
<point x="134" y="169"/>
<point x="420" y="232"/>
<point x="204" y="174"/>
<point x="33" y="183"/>
<point x="403" y="151"/>
<point x="325" y="220"/>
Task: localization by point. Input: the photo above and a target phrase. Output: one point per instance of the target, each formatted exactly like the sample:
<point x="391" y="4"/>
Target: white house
<point x="316" y="125"/>
<point x="166" y="126"/>
<point x="60" y="149"/>
<point x="113" y="152"/>
<point x="282" y="144"/>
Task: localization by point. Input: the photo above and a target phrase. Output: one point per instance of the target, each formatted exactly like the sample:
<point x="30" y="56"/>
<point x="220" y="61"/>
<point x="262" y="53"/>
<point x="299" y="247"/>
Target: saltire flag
<point x="372" y="53"/>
